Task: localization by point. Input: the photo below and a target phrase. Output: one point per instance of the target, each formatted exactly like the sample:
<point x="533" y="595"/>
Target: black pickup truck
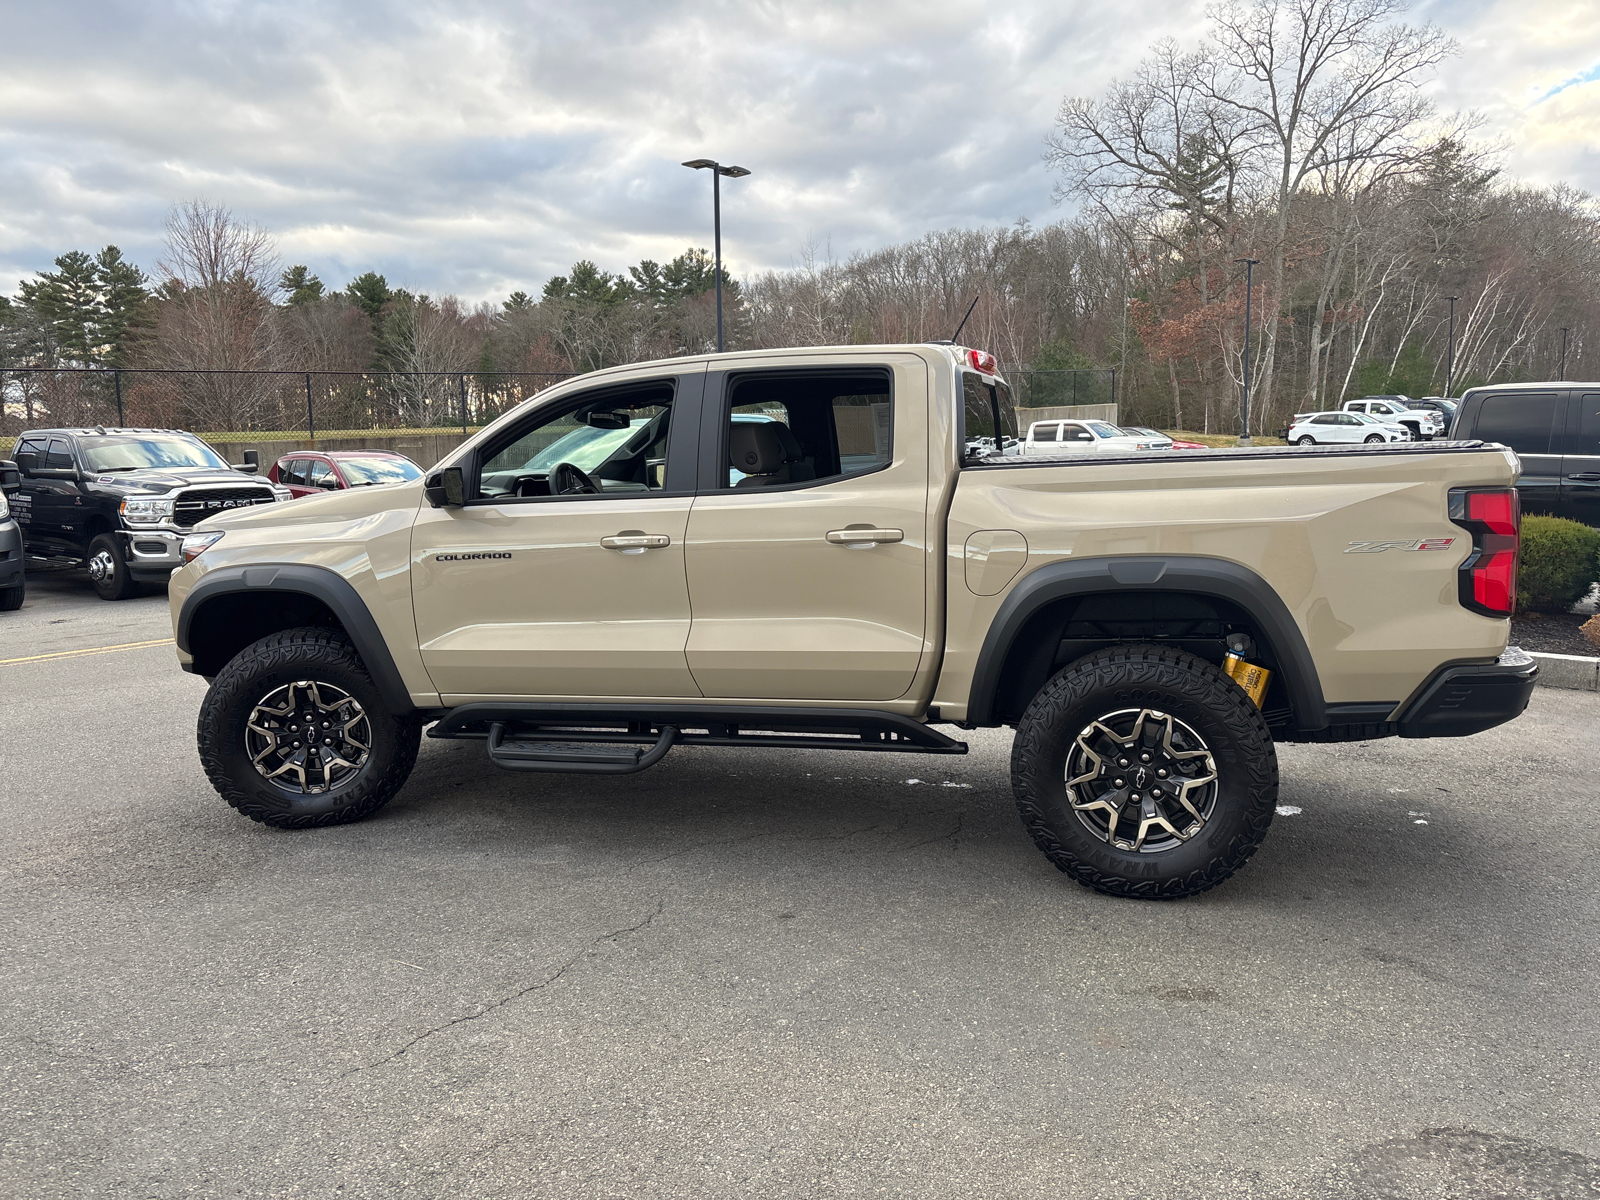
<point x="1555" y="430"/>
<point x="119" y="501"/>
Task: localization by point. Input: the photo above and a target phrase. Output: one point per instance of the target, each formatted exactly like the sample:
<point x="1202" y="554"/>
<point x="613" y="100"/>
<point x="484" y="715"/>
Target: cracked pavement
<point x="773" y="973"/>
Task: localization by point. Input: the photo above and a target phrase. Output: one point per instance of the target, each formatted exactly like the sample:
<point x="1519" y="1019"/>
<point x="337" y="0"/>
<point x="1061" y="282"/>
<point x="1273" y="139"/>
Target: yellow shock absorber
<point x="1251" y="678"/>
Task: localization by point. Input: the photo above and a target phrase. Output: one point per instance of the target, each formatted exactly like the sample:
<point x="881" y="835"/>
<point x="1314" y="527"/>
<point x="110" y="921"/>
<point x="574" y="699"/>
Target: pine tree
<point x="302" y="286"/>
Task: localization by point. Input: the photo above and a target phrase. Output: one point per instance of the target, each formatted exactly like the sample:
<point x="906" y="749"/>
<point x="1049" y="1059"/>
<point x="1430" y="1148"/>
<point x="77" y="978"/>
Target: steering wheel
<point x="568" y="480"/>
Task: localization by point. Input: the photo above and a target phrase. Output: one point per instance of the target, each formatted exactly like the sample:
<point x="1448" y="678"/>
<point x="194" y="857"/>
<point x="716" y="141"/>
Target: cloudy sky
<point x="483" y="145"/>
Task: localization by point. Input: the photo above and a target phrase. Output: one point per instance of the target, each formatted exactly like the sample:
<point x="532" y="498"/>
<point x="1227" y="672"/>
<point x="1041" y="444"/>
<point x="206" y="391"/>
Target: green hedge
<point x="1556" y="564"/>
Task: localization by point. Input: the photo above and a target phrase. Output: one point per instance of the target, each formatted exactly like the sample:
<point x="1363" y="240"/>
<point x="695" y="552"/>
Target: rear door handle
<point x="631" y="542"/>
<point x="1586" y="477"/>
<point x="864" y="537"/>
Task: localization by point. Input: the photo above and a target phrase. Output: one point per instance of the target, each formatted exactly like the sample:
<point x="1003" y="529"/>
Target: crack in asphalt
<point x="516" y="995"/>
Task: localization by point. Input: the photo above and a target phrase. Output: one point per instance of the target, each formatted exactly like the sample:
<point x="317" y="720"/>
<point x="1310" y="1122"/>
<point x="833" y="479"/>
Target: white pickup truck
<point x="1069" y="437"/>
<point x="1423" y="423"/>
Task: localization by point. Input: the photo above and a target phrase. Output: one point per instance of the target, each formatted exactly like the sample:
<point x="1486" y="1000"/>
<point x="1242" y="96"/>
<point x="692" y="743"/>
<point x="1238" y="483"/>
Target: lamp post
<point x="717" y="172"/>
<point x="1565" y="329"/>
<point x="1249" y="277"/>
<point x="1450" y="351"/>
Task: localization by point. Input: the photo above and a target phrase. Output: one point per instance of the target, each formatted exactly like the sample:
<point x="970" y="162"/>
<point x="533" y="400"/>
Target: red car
<point x="308" y="472"/>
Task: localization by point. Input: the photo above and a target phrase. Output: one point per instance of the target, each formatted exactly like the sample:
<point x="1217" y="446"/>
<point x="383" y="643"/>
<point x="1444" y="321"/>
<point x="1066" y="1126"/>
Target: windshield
<point x="1105" y="430"/>
<point x="585" y="448"/>
<point x="362" y="472"/>
<point x="134" y="453"/>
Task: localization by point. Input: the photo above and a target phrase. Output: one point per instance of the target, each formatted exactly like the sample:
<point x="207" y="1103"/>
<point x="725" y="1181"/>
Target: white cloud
<point x="478" y="147"/>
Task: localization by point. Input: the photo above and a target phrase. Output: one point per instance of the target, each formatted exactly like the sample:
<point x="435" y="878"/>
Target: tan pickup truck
<point x="796" y="548"/>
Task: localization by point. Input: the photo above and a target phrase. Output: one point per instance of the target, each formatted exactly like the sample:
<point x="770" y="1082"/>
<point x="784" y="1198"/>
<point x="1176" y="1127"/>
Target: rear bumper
<point x="1466" y="699"/>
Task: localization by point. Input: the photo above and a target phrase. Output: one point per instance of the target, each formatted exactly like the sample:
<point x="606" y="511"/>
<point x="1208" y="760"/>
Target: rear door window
<point x="1046" y="433"/>
<point x="1588" y="424"/>
<point x="803" y="427"/>
<point x="1521" y="420"/>
<point x="294" y="472"/>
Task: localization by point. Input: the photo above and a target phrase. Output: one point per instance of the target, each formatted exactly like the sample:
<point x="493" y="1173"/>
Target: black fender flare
<point x="1178" y="573"/>
<point x="320" y="583"/>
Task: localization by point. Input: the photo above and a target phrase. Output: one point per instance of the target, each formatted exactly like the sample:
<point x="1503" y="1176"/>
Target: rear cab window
<point x="1521" y="420"/>
<point x="987" y="410"/>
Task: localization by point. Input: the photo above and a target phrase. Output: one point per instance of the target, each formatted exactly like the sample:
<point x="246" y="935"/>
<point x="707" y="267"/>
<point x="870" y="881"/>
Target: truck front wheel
<point x="1144" y="772"/>
<point x="108" y="568"/>
<point x="294" y="733"/>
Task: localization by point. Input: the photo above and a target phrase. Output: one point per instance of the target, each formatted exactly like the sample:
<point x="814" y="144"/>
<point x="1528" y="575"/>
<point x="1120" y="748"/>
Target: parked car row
<point x="119" y="501"/>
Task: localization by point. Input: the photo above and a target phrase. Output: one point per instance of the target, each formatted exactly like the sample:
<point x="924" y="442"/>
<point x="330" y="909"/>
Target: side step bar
<point x="592" y="739"/>
<point x="541" y="755"/>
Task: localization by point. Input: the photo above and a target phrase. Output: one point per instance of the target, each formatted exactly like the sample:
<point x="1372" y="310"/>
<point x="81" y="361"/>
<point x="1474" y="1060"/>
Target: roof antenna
<point x="963" y="324"/>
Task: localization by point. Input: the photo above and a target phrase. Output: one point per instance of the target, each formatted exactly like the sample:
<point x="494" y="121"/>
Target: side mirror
<point x="446" y="488"/>
<point x="606" y="420"/>
<point x="251" y="463"/>
<point x="27" y="462"/>
<point x="329" y="484"/>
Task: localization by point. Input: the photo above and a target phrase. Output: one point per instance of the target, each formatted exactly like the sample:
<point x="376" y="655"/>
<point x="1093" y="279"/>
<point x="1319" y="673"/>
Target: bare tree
<point x="215" y="313"/>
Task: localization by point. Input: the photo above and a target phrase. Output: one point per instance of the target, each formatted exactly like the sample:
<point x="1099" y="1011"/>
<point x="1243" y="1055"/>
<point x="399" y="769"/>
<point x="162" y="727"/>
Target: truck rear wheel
<point x="1144" y="772"/>
<point x="294" y="733"/>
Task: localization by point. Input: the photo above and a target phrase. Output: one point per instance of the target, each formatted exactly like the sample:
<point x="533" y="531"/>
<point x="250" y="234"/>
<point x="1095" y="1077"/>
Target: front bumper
<point x="1465" y="699"/>
<point x="11" y="565"/>
<point x="152" y="553"/>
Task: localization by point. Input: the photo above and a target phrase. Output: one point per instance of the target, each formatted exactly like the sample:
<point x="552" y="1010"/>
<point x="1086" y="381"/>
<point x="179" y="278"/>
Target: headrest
<point x="755" y="448"/>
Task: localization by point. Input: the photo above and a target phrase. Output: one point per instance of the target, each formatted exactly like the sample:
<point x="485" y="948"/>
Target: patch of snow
<point x="1289" y="810"/>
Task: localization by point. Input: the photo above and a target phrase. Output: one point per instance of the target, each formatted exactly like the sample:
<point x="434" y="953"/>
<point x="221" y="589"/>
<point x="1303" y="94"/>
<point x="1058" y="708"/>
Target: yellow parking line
<point x="92" y="650"/>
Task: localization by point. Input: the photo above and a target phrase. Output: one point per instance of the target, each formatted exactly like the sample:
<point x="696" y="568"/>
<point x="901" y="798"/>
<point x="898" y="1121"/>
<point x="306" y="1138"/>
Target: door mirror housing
<point x="27" y="462"/>
<point x="251" y="463"/>
<point x="10" y="477"/>
<point x="446" y="488"/>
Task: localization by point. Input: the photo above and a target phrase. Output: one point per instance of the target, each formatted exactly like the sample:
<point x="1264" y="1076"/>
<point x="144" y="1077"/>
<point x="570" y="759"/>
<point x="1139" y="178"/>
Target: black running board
<point x="569" y="755"/>
<point x="558" y="737"/>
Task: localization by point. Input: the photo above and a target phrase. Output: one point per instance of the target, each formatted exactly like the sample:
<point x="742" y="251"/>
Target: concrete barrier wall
<point x="424" y="449"/>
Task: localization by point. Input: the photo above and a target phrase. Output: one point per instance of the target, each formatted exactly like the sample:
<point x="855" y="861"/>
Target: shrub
<point x="1556" y="563"/>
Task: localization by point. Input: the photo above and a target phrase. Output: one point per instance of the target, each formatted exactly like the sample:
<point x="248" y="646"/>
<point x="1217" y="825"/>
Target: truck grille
<point x="197" y="504"/>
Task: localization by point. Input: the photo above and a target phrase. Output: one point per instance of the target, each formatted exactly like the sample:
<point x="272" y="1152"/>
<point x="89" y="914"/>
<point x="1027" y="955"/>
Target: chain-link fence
<point x="1055" y="389"/>
<point x="295" y="404"/>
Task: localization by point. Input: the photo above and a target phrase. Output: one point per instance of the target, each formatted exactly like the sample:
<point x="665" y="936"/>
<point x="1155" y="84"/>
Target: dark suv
<point x="119" y="501"/>
<point x="1555" y="430"/>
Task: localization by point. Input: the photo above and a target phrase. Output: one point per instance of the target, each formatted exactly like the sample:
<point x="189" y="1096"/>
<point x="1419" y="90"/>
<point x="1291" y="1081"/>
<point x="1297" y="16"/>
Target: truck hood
<point x="155" y="480"/>
<point x="350" y="504"/>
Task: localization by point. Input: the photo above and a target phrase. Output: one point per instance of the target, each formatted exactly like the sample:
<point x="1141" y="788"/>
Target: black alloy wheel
<point x="1144" y="772"/>
<point x="295" y="734"/>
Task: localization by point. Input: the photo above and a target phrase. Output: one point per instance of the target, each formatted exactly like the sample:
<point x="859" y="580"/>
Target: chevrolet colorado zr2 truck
<point x="119" y="501"/>
<point x="794" y="548"/>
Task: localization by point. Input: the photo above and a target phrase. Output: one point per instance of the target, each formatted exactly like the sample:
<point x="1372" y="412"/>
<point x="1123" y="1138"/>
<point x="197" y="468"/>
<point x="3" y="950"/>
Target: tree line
<point x="1295" y="136"/>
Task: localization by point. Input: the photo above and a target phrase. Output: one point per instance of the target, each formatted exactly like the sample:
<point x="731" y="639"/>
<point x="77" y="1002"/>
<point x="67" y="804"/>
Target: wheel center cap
<point x="1141" y="776"/>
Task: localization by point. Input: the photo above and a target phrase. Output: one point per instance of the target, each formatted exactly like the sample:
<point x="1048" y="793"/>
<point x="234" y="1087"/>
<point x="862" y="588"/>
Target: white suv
<point x="1310" y="429"/>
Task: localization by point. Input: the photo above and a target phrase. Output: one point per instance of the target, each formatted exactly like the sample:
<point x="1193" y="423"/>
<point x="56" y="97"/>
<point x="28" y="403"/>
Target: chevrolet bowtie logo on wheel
<point x="469" y="557"/>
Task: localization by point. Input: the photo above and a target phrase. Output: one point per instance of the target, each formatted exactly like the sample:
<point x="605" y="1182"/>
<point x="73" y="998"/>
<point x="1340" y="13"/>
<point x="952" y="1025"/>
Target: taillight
<point x="982" y="360"/>
<point x="1488" y="582"/>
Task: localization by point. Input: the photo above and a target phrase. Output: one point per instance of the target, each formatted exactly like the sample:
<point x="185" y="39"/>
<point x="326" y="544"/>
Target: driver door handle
<point x="636" y="541"/>
<point x="1586" y="477"/>
<point x="864" y="537"/>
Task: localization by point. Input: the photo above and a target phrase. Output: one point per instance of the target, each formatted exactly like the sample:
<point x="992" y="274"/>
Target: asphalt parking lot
<point x="772" y="973"/>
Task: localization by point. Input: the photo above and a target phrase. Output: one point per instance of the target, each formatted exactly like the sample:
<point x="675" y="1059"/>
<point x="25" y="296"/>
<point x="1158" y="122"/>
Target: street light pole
<point x="1249" y="278"/>
<point x="717" y="172"/>
<point x="1450" y="351"/>
<point x="1564" y="331"/>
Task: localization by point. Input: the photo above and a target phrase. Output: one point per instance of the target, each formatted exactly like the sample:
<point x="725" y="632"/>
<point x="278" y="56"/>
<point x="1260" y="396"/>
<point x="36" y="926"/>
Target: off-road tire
<point x="1308" y="440"/>
<point x="11" y="598"/>
<point x="117" y="583"/>
<point x="1194" y="692"/>
<point x="324" y="656"/>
